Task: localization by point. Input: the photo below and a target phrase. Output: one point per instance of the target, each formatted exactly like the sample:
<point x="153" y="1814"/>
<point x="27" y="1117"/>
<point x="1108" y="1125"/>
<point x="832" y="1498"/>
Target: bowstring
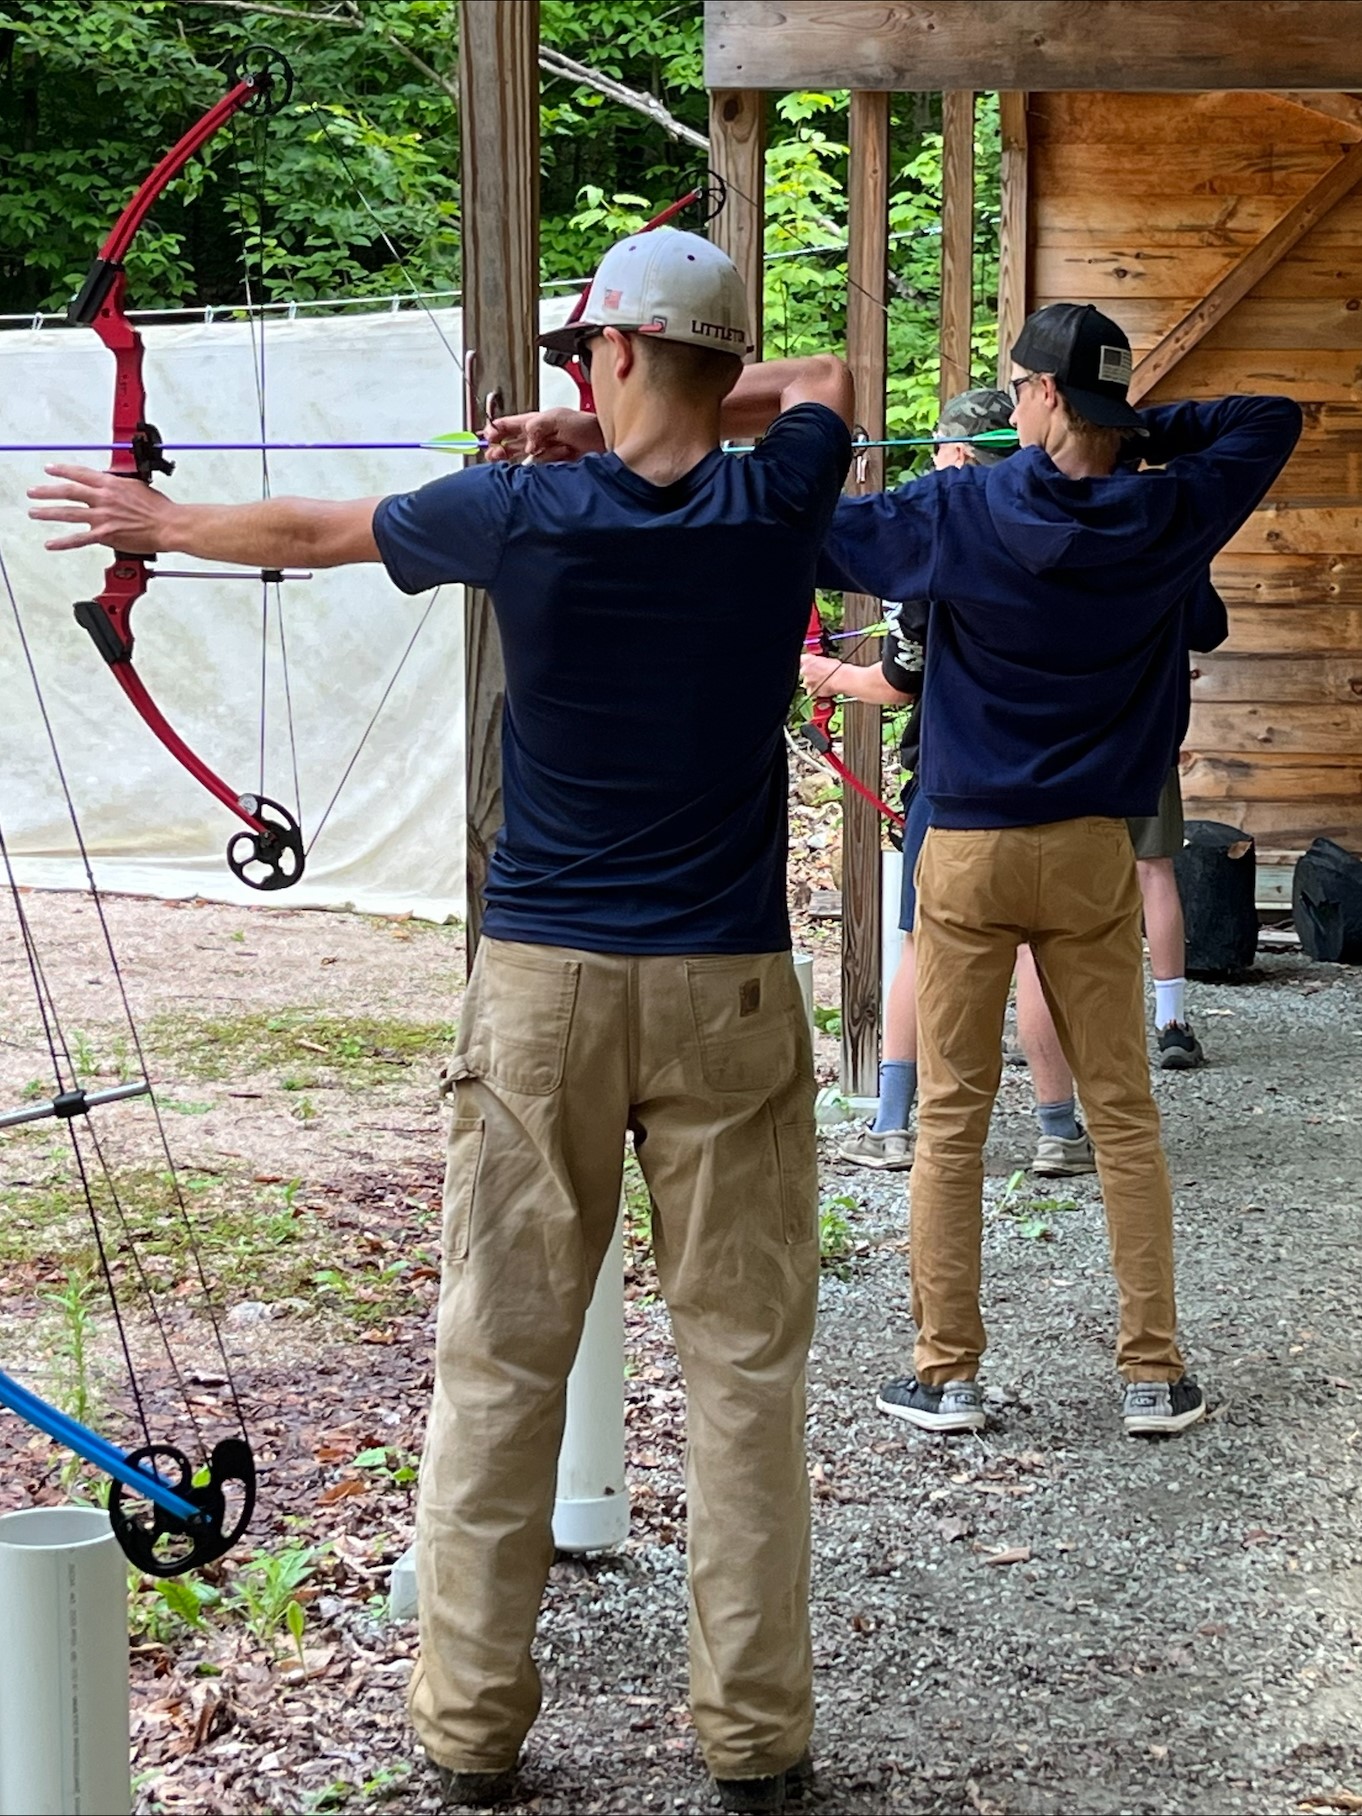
<point x="60" y="1053"/>
<point x="317" y="111"/>
<point x="271" y="591"/>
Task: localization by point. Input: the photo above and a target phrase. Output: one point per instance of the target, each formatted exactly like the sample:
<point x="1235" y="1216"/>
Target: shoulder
<point x="809" y="429"/>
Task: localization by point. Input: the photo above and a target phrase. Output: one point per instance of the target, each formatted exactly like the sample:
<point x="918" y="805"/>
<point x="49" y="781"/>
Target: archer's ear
<point x="623" y="354"/>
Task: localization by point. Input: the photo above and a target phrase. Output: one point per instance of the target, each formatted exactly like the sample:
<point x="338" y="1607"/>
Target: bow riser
<point x="818" y="730"/>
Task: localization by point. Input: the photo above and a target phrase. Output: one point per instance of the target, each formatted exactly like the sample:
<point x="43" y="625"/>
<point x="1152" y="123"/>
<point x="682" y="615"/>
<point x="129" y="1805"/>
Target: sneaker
<point x="1179" y="1048"/>
<point x="475" y="1790"/>
<point x="891" y="1152"/>
<point x="763" y="1794"/>
<point x="1061" y="1156"/>
<point x="958" y="1406"/>
<point x="1152" y="1409"/>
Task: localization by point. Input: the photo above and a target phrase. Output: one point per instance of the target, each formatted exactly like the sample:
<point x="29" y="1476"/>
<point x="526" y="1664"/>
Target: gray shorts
<point x="1160" y="835"/>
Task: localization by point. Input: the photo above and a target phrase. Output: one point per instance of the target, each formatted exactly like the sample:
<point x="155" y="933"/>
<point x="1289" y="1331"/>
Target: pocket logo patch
<point x="749" y="997"/>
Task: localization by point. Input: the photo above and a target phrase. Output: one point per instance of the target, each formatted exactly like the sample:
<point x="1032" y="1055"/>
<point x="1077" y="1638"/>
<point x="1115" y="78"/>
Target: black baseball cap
<point x="1089" y="356"/>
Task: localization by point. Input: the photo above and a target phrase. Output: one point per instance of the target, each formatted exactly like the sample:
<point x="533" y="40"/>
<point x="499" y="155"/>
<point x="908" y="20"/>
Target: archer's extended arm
<point x="135" y="520"/>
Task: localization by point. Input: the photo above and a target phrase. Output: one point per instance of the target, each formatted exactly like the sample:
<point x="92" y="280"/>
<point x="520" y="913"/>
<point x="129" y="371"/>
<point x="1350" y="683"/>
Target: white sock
<point x="1170" y="1000"/>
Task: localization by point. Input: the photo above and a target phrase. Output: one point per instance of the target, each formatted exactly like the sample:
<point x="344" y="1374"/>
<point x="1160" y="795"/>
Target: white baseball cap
<point x="671" y="284"/>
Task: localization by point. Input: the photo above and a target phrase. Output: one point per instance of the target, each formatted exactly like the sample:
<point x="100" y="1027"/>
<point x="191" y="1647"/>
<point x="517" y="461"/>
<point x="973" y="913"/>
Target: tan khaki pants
<point x="708" y="1061"/>
<point x="1070" y="890"/>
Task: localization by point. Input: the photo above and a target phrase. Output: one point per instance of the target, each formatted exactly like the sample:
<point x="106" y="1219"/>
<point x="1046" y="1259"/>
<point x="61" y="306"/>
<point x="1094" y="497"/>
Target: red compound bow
<point x="269" y="853"/>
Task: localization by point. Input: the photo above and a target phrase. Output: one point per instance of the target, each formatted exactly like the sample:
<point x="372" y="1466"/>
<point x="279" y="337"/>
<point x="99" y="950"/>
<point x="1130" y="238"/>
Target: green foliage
<point x="352" y="189"/>
<point x="835" y="1240"/>
<point x="393" y="1465"/>
<point x="163" y="1610"/>
<point x="1032" y="1213"/>
<point x="74" y="1302"/>
<point x="264" y="1592"/>
<point x="827" y="1021"/>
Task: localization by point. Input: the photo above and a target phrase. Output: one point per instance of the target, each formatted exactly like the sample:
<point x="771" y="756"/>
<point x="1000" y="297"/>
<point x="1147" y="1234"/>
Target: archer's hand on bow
<point x="543" y="436"/>
<point x="821" y="675"/>
<point x="115" y="511"/>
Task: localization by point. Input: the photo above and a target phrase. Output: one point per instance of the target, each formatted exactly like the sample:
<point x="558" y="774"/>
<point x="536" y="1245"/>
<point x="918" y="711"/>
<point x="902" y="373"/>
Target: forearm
<point x="274" y="533"/>
<point x="857" y="682"/>
<point x="1193" y="428"/>
<point x="769" y="386"/>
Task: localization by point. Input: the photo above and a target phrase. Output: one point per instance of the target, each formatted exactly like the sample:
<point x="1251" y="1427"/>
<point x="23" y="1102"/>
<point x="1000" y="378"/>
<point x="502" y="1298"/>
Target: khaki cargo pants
<point x="1070" y="891"/>
<point x="708" y="1061"/>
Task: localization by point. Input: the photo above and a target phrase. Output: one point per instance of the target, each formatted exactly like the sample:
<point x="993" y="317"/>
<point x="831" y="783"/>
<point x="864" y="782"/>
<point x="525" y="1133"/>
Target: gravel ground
<point x="1044" y="1618"/>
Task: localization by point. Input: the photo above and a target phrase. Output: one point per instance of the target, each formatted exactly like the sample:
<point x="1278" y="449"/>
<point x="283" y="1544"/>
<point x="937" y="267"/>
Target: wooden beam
<point x="867" y="349"/>
<point x="957" y="240"/>
<point x="1247" y="270"/>
<point x="499" y="229"/>
<point x="1174" y="45"/>
<point x="1346" y="109"/>
<point x="1014" y="244"/>
<point x="737" y="155"/>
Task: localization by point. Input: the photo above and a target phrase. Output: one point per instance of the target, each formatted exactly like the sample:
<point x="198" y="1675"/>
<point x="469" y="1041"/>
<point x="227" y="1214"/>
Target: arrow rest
<point x="275" y="844"/>
<point x="157" y="1541"/>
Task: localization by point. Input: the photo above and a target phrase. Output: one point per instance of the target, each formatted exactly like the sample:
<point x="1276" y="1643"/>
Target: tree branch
<point x="555" y="63"/>
<point x="552" y="62"/>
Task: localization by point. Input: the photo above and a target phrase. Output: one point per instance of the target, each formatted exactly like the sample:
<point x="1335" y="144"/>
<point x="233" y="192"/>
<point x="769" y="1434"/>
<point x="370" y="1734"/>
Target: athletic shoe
<point x="1154" y="1409"/>
<point x="957" y="1406"/>
<point x="759" y="1795"/>
<point x="890" y="1152"/>
<point x="1061" y="1156"/>
<point x="1179" y="1048"/>
<point x="475" y="1790"/>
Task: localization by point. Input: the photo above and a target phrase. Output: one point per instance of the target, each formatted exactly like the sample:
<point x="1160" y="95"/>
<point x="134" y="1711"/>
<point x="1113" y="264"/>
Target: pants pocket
<point x="515" y="1035"/>
<point x="797" y="1155"/>
<point x="464" y="1158"/>
<point x="746" y="1013"/>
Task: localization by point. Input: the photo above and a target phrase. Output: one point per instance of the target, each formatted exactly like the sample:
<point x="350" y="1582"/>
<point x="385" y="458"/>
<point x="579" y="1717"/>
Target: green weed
<point x="835" y="1239"/>
<point x="1031" y="1212"/>
<point x="264" y="1593"/>
<point x="394" y="1465"/>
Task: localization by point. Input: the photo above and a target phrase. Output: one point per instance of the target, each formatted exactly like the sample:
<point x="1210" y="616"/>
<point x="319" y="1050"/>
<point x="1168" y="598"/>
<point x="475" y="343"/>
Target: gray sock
<point x="1058" y="1119"/>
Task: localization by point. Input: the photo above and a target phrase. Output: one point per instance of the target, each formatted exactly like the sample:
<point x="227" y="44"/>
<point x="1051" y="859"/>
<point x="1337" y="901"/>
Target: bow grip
<point x="114" y="645"/>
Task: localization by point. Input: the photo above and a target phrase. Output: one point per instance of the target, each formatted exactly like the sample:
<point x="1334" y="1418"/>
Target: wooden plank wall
<point x="1141" y="203"/>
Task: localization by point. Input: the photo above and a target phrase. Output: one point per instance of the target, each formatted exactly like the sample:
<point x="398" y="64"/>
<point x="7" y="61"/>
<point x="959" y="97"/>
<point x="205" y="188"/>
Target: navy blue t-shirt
<point x="651" y="638"/>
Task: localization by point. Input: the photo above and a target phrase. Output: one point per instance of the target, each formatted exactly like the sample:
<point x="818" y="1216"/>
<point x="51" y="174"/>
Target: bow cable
<point x="192" y="1514"/>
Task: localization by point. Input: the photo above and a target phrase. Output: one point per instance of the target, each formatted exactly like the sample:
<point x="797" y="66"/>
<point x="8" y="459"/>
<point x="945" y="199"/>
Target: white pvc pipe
<point x="591" y="1510"/>
<point x="803" y="965"/>
<point x="64" y="1702"/>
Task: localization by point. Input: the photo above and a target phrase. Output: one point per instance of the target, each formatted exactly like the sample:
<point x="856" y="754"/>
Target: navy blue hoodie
<point x="1063" y="609"/>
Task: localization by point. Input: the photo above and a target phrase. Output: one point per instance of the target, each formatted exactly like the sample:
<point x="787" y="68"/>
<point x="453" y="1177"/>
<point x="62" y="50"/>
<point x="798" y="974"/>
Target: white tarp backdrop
<point x="395" y="840"/>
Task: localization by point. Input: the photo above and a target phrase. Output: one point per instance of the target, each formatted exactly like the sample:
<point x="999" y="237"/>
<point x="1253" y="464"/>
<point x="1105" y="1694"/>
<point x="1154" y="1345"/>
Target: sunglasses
<point x="584" y="351"/>
<point x="1014" y="385"/>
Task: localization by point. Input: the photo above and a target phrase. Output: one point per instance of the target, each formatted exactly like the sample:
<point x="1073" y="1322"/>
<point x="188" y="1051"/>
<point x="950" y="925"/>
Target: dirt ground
<point x="1045" y="1618"/>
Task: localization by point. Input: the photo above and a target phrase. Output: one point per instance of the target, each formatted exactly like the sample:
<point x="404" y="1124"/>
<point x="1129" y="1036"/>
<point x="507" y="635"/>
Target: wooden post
<point x="867" y="335"/>
<point x="957" y="240"/>
<point x="499" y="143"/>
<point x="1015" y="233"/>
<point x="737" y="155"/>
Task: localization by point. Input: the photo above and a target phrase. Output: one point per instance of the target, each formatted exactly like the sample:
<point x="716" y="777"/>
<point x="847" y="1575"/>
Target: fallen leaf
<point x="1331" y="1800"/>
<point x="340" y="1491"/>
